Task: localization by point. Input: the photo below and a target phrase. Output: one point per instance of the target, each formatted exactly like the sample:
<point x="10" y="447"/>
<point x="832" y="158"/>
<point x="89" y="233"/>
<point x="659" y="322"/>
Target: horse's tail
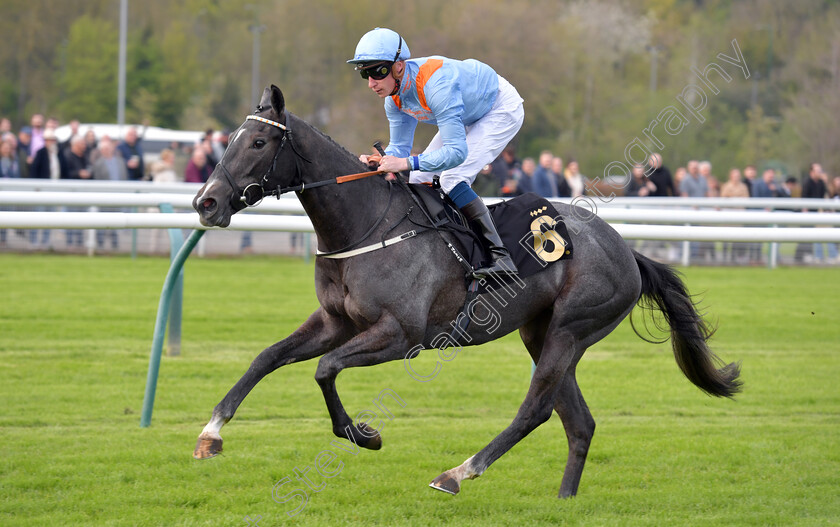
<point x="662" y="288"/>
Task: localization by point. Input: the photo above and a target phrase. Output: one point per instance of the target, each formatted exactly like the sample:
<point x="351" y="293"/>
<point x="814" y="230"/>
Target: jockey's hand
<point x="372" y="161"/>
<point x="393" y="164"/>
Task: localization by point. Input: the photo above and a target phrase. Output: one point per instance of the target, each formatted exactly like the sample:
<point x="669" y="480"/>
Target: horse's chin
<point x="220" y="220"/>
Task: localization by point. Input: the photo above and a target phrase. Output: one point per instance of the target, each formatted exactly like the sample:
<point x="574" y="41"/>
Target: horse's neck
<point x="340" y="213"/>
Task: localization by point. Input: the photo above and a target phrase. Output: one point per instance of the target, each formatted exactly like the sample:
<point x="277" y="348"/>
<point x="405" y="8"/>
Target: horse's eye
<point x="258" y="144"/>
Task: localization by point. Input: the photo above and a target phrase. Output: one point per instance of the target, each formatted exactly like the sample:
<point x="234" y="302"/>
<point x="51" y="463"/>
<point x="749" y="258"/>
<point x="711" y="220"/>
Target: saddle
<point x="529" y="225"/>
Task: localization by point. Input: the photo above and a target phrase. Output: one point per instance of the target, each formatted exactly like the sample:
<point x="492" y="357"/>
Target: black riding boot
<point x="476" y="211"/>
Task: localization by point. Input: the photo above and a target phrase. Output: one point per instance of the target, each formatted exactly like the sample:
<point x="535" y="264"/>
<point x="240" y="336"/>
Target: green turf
<point x="75" y="335"/>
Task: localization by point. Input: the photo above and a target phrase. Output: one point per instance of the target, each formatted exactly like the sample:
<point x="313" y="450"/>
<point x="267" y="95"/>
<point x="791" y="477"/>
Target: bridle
<point x="253" y="194"/>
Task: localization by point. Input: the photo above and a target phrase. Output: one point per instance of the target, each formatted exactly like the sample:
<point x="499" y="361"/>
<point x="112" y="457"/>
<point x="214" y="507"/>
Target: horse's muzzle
<point x="210" y="212"/>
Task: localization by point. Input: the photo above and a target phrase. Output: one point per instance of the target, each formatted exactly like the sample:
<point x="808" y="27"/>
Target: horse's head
<point x="247" y="168"/>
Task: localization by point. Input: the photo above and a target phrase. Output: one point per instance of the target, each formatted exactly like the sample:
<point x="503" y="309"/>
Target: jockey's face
<point x="385" y="87"/>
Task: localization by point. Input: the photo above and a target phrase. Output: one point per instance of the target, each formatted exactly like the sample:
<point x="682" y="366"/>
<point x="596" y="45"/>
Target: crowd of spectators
<point x="35" y="152"/>
<point x="547" y="176"/>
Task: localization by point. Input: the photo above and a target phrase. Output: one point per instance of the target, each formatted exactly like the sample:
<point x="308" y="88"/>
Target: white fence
<point x="666" y="219"/>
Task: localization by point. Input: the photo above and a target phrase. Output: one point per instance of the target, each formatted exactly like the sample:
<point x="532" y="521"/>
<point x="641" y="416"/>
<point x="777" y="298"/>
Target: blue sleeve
<point x="444" y="99"/>
<point x="402" y="130"/>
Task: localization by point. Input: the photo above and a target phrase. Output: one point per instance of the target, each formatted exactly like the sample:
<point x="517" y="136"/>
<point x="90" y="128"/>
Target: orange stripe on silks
<point x="426" y="70"/>
<point x="397" y="101"/>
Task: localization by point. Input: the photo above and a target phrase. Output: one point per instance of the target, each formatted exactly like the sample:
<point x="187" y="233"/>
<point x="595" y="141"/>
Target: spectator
<point x="734" y="187"/>
<point x="9" y="165"/>
<point x="11" y="138"/>
<point x="661" y="178"/>
<point x="91" y="146"/>
<point x="198" y="171"/>
<point x="816" y="187"/>
<point x="131" y="150"/>
<point x="5" y="125"/>
<point x="47" y="164"/>
<point x="9" y="168"/>
<point x="108" y="165"/>
<point x="640" y="186"/>
<point x="789" y="188"/>
<point x="695" y="184"/>
<point x="486" y="183"/>
<point x="37" y="134"/>
<point x="679" y="175"/>
<point x="509" y="169"/>
<point x="750" y="174"/>
<point x="77" y="168"/>
<point x="563" y="189"/>
<point x="182" y="156"/>
<point x="74" y="131"/>
<point x="766" y="186"/>
<point x="714" y="187"/>
<point x="23" y="148"/>
<point x="218" y="144"/>
<point x="575" y="180"/>
<point x="544" y="181"/>
<point x="75" y="159"/>
<point x="207" y="146"/>
<point x="163" y="170"/>
<point x="526" y="179"/>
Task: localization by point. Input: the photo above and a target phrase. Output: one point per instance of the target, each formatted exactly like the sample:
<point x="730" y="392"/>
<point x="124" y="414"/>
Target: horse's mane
<point x="329" y="139"/>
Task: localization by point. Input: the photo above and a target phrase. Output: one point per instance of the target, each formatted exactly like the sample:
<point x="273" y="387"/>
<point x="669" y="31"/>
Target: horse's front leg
<point x="383" y="342"/>
<point x="319" y="334"/>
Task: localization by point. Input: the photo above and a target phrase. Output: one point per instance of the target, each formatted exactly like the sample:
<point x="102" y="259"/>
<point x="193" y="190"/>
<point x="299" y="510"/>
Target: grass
<point x="75" y="334"/>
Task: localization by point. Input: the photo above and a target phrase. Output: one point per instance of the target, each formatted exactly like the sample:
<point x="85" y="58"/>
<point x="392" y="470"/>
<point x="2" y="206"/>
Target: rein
<point x="253" y="194"/>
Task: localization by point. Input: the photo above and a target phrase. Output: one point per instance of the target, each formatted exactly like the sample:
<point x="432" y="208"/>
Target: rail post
<point x="160" y="325"/>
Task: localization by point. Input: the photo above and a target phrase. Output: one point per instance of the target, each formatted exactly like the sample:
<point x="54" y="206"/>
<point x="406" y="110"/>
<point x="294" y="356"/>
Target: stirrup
<point x="502" y="266"/>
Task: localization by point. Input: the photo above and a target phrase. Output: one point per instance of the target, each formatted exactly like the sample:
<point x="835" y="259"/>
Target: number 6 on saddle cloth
<point x="529" y="225"/>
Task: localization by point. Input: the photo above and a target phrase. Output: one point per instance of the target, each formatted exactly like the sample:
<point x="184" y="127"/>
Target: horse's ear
<point x="265" y="100"/>
<point x="277" y="102"/>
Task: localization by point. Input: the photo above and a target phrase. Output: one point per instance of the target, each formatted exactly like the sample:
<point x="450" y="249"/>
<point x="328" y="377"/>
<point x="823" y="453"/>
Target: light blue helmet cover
<point x="380" y="44"/>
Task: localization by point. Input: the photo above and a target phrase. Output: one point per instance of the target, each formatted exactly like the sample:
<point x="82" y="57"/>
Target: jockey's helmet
<point x="380" y="45"/>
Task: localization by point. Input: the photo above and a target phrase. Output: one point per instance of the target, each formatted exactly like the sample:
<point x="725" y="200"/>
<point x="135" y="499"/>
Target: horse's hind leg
<point x="558" y="356"/>
<point x="580" y="427"/>
<point x="570" y="406"/>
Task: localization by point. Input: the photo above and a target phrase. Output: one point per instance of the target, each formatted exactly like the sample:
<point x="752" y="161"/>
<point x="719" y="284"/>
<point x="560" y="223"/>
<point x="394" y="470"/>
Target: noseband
<point x="253" y="194"/>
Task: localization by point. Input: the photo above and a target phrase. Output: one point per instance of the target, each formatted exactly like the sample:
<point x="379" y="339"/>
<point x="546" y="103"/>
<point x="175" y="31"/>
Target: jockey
<point x="477" y="113"/>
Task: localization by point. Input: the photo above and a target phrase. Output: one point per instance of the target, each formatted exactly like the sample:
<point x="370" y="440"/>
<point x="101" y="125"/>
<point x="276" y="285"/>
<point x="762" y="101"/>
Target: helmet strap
<point x="398" y="80"/>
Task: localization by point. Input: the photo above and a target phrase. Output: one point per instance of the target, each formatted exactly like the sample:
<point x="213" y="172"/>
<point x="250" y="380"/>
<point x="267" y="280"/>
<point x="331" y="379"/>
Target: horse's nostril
<point x="209" y="204"/>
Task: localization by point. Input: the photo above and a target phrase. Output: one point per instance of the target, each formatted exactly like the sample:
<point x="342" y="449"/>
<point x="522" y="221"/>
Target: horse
<point x="365" y="317"/>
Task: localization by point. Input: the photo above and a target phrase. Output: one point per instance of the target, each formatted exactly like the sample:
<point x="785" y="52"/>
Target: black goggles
<point x="377" y="72"/>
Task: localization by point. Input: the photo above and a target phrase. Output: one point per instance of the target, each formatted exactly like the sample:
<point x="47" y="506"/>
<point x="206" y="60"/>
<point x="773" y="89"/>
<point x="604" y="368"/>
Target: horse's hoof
<point x="207" y="447"/>
<point x="446" y="483"/>
<point x="370" y="438"/>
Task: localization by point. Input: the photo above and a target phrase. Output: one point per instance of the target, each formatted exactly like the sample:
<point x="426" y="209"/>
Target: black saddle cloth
<point x="529" y="225"/>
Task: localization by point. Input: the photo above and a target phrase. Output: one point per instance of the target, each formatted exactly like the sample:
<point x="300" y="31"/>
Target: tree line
<point x="593" y="74"/>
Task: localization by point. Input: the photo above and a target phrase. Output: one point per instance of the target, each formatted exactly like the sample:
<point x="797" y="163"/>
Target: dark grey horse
<point x="377" y="306"/>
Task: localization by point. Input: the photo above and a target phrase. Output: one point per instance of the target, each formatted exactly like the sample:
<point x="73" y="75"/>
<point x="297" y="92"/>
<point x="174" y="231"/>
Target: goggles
<point x="376" y="72"/>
